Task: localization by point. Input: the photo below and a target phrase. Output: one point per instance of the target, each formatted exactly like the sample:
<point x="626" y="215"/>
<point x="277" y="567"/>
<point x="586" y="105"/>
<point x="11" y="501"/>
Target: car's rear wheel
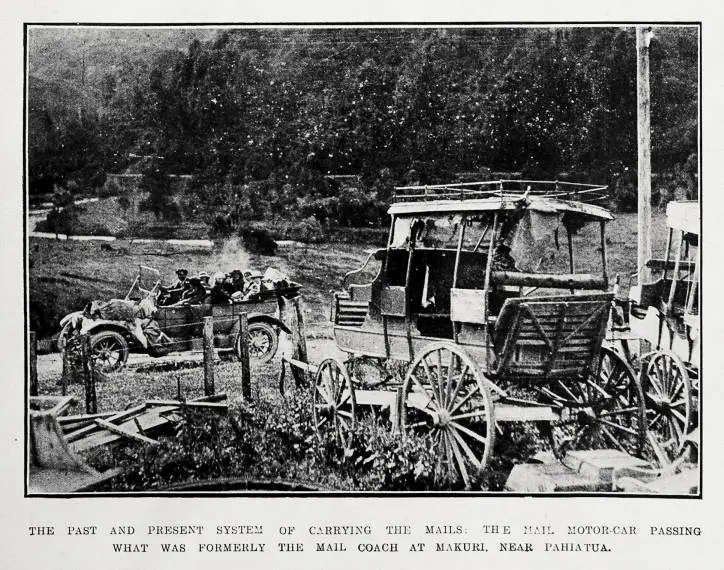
<point x="109" y="351"/>
<point x="263" y="342"/>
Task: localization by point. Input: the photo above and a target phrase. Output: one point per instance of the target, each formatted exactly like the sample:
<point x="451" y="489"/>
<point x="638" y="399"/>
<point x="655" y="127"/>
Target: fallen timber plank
<point x="149" y="419"/>
<point x="125" y="433"/>
<point x="84" y="417"/>
<point x="119" y="417"/>
<point x="212" y="398"/>
<point x="190" y="404"/>
<point x="56" y="404"/>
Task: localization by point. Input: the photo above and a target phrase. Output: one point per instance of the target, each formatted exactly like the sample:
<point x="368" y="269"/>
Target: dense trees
<point x="259" y="117"/>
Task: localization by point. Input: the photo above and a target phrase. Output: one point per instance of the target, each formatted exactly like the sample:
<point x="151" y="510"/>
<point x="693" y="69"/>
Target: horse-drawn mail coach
<point x="489" y="304"/>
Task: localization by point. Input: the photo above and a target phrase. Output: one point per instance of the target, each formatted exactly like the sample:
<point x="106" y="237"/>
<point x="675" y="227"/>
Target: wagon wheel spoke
<point x="439" y="384"/>
<point x="460" y="459"/>
<point x="437" y="447"/>
<point x="468" y="415"/>
<point x="613" y="440"/>
<point x="448" y="454"/>
<point x="679" y="403"/>
<point x="325" y="394"/>
<point x="335" y="384"/>
<point x="679" y="389"/>
<point x="678" y="432"/>
<point x="571" y="394"/>
<point x="657" y="390"/>
<point x="461" y="381"/>
<point x="345" y="398"/>
<point x="652" y="424"/>
<point x="462" y="402"/>
<point x="469" y="432"/>
<point x="466" y="448"/>
<point x="616" y="426"/>
<point x="679" y="416"/>
<point x="600" y="389"/>
<point x="433" y="387"/>
<point x="547" y="393"/>
<point x="431" y="398"/>
<point x="618" y="412"/>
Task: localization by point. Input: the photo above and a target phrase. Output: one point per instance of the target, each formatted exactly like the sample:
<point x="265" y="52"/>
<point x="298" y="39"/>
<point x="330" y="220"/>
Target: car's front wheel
<point x="109" y="351"/>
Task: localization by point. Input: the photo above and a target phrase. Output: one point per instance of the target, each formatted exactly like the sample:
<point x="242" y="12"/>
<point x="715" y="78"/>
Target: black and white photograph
<point x="363" y="260"/>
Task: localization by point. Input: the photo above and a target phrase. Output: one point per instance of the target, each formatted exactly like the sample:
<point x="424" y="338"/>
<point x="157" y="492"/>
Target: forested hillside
<point x="259" y="117"/>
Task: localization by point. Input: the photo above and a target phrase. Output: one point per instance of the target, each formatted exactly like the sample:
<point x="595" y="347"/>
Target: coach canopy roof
<point x="509" y="202"/>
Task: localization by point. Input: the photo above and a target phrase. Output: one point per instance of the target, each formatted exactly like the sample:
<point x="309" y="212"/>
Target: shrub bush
<point x="273" y="438"/>
<point x="257" y="240"/>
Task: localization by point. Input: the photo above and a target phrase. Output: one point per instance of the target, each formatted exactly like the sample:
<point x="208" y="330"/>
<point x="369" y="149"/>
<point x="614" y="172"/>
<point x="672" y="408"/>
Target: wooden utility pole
<point x="643" y="38"/>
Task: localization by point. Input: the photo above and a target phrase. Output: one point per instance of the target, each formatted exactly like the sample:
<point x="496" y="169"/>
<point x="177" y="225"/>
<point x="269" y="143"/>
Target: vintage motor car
<point x="140" y="324"/>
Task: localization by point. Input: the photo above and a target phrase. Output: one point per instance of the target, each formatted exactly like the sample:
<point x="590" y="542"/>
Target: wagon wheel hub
<point x="585" y="416"/>
<point x="661" y="405"/>
<point x="441" y="418"/>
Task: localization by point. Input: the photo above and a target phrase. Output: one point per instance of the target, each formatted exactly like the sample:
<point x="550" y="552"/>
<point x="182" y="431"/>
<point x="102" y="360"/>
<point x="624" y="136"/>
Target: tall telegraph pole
<point x="643" y="39"/>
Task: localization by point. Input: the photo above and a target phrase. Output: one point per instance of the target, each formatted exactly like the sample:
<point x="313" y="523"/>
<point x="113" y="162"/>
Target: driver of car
<point x="195" y="294"/>
<point x="173" y="294"/>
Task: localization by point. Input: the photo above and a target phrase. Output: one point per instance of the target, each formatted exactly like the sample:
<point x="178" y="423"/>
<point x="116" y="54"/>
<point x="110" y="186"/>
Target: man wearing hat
<point x="173" y="294"/>
<point x="204" y="277"/>
<point x="195" y="294"/>
<point x="182" y="282"/>
<point x="252" y="286"/>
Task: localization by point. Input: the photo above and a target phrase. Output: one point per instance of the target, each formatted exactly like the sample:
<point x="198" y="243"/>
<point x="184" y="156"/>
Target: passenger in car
<point x="219" y="294"/>
<point x="195" y="295"/>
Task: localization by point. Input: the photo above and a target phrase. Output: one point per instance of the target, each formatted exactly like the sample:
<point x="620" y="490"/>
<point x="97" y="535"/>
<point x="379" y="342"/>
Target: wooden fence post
<point x="33" y="368"/>
<point x="244" y="357"/>
<point x="89" y="381"/>
<point x="209" y="356"/>
<point x="66" y="371"/>
<point x="301" y="334"/>
<point x="292" y="314"/>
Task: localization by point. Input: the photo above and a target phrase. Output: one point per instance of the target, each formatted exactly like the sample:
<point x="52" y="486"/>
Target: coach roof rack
<point x="571" y="191"/>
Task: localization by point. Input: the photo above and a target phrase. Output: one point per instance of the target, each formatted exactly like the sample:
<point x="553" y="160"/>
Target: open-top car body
<point x="177" y="327"/>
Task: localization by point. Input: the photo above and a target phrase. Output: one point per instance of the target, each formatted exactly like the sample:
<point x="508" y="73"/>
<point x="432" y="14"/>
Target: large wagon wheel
<point x="668" y="397"/>
<point x="334" y="403"/>
<point x="447" y="398"/>
<point x="601" y="411"/>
